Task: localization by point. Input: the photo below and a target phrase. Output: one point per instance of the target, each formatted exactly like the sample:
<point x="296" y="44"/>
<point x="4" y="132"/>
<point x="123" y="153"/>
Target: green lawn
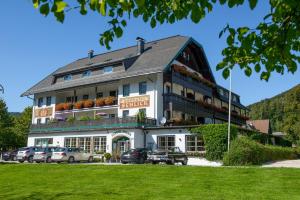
<point x="25" y="181"/>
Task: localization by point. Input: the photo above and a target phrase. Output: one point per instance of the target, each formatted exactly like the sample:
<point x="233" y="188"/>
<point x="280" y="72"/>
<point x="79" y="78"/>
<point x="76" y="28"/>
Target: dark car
<point x="26" y="154"/>
<point x="138" y="155"/>
<point x="170" y="156"/>
<point x="10" y="155"/>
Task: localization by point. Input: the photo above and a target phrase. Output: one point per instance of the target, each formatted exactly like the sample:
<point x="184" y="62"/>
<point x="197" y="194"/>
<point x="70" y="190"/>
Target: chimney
<point x="140" y="45"/>
<point x="91" y="54"/>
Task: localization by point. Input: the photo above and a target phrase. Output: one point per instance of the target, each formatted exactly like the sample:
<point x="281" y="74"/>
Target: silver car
<point x="26" y="154"/>
<point x="70" y="155"/>
<point x="43" y="154"/>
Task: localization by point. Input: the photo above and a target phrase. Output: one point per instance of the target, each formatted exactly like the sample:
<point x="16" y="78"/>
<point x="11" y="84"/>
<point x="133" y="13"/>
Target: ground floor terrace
<point x="117" y="141"/>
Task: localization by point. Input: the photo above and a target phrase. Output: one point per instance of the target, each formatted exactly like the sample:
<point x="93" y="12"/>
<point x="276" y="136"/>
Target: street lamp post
<point x="229" y="111"/>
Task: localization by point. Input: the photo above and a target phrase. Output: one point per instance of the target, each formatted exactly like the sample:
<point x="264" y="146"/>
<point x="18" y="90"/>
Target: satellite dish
<point x="163" y="121"/>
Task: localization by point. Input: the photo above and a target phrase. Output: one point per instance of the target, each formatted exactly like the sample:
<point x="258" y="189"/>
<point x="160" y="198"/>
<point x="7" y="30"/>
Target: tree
<point x="273" y="44"/>
<point x="22" y="126"/>
<point x="7" y="138"/>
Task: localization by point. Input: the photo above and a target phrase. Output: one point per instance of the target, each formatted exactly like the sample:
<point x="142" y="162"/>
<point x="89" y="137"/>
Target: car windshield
<point x="59" y="149"/>
<point x="38" y="149"/>
<point x="23" y="149"/>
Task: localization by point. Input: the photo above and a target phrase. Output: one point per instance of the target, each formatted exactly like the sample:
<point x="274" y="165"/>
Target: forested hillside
<point x="283" y="110"/>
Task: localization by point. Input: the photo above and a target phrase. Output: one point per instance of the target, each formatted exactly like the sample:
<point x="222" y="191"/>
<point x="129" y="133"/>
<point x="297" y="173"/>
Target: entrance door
<point x="119" y="146"/>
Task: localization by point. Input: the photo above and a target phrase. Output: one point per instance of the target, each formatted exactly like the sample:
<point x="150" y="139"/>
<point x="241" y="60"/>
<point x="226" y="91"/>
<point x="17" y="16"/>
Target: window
<point x="68" y="77"/>
<point x="168" y="115"/>
<point x="182" y="93"/>
<point x="70" y="142"/>
<point x="194" y="143"/>
<point x="85" y="144"/>
<point x="113" y="93"/>
<point x="100" y="144"/>
<point x="183" y="116"/>
<point x="168" y="89"/>
<point x="85" y="97"/>
<point x="40" y="102"/>
<point x="221" y="92"/>
<point x="86" y="73"/>
<point x="126" y="90"/>
<point x="112" y="116"/>
<point x="39" y="121"/>
<point x="142" y="87"/>
<point x="43" y="141"/>
<point x="48" y="101"/>
<point x="71" y="99"/>
<point x="165" y="142"/>
<point x="125" y="113"/>
<point x="99" y="94"/>
<point x="47" y="120"/>
<point x="108" y="69"/>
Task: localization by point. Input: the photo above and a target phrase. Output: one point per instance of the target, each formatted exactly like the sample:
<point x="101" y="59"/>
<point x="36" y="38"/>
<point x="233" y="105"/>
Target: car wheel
<point x="21" y="161"/>
<point x="90" y="159"/>
<point x="123" y="162"/>
<point x="30" y="159"/>
<point x="58" y="162"/>
<point x="154" y="162"/>
<point x="14" y="158"/>
<point x="48" y="160"/>
<point x="37" y="161"/>
<point x="71" y="159"/>
<point x="184" y="162"/>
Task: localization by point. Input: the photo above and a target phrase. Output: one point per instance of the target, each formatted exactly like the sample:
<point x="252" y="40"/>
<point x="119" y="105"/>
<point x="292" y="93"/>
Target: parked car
<point x="43" y="154"/>
<point x="170" y="156"/>
<point x="26" y="154"/>
<point x="10" y="155"/>
<point x="138" y="155"/>
<point x="70" y="155"/>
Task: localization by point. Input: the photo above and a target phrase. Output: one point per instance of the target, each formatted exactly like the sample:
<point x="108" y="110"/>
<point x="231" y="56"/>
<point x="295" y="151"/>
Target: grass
<point x="25" y="181"/>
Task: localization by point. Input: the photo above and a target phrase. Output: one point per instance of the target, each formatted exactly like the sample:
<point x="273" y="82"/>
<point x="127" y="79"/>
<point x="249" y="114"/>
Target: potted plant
<point x="84" y="118"/>
<point x="109" y="100"/>
<point x="141" y="116"/>
<point x="107" y="157"/>
<point x="59" y="107"/>
<point x="88" y="103"/>
<point x="67" y="106"/>
<point x="100" y="102"/>
<point x="71" y="119"/>
<point x="78" y="104"/>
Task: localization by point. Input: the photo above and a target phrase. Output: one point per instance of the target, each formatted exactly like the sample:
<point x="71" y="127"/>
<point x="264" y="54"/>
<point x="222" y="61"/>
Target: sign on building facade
<point x="135" y="102"/>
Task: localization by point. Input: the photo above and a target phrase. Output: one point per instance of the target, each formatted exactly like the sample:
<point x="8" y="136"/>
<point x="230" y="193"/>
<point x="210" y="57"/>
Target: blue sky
<point x="32" y="46"/>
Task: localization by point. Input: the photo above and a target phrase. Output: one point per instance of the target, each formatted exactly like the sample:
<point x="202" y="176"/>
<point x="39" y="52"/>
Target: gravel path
<point x="285" y="163"/>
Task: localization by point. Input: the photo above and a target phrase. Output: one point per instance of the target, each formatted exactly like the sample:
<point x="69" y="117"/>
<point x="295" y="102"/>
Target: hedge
<point x="244" y="151"/>
<point x="215" y="139"/>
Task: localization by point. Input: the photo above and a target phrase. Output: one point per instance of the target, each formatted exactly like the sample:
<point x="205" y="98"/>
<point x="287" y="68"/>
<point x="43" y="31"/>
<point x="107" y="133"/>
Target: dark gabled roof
<point x="157" y="55"/>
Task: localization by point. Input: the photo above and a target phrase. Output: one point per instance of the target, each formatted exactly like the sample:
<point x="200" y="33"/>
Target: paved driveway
<point x="285" y="163"/>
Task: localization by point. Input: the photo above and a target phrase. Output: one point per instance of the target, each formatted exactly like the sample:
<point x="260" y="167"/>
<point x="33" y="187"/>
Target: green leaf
<point x="83" y="10"/>
<point x="153" y="22"/>
<point x="60" y="16"/>
<point x="196" y="14"/>
<point x="140" y="3"/>
<point x="44" y="9"/>
<point x="221" y="33"/>
<point x="226" y="73"/>
<point x="257" y="68"/>
<point x="36" y="3"/>
<point x="118" y="31"/>
<point x="252" y="3"/>
<point x="60" y="6"/>
<point x="265" y="76"/>
<point x="124" y="23"/>
<point x="103" y="8"/>
<point x="248" y="71"/>
<point x="243" y="30"/>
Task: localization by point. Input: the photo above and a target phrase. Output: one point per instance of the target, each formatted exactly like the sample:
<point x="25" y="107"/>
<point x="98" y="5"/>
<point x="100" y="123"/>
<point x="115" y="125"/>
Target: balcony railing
<point x="64" y="126"/>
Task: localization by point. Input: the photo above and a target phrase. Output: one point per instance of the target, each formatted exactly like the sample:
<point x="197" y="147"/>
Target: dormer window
<point x="68" y="77"/>
<point x="86" y="73"/>
<point x="108" y="69"/>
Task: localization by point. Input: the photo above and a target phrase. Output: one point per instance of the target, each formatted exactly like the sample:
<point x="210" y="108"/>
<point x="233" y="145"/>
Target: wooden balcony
<point x="101" y="124"/>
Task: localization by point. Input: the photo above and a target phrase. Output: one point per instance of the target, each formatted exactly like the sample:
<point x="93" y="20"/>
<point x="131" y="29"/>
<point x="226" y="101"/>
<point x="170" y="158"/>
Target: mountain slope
<point x="283" y="110"/>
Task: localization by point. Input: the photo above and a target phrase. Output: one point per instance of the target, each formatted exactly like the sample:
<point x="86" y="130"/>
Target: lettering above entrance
<point x="43" y="112"/>
<point x="135" y="102"/>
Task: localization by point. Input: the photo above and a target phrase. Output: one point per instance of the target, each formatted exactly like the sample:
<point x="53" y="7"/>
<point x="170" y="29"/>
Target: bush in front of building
<point x="215" y="139"/>
<point x="245" y="151"/>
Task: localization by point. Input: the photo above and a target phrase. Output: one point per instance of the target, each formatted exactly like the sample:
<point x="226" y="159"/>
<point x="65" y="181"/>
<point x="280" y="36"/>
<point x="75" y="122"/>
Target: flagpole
<point x="229" y="111"/>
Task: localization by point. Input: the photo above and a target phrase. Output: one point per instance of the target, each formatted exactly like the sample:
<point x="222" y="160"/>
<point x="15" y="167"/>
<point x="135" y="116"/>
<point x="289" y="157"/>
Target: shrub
<point x="88" y="103"/>
<point x="71" y="119"/>
<point x="141" y="116"/>
<point x="59" y="107"/>
<point x="85" y="118"/>
<point x="67" y="106"/>
<point x="244" y="151"/>
<point x="215" y="139"/>
<point x="100" y="102"/>
<point x="107" y="156"/>
<point x="78" y="104"/>
<point x="109" y="100"/>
